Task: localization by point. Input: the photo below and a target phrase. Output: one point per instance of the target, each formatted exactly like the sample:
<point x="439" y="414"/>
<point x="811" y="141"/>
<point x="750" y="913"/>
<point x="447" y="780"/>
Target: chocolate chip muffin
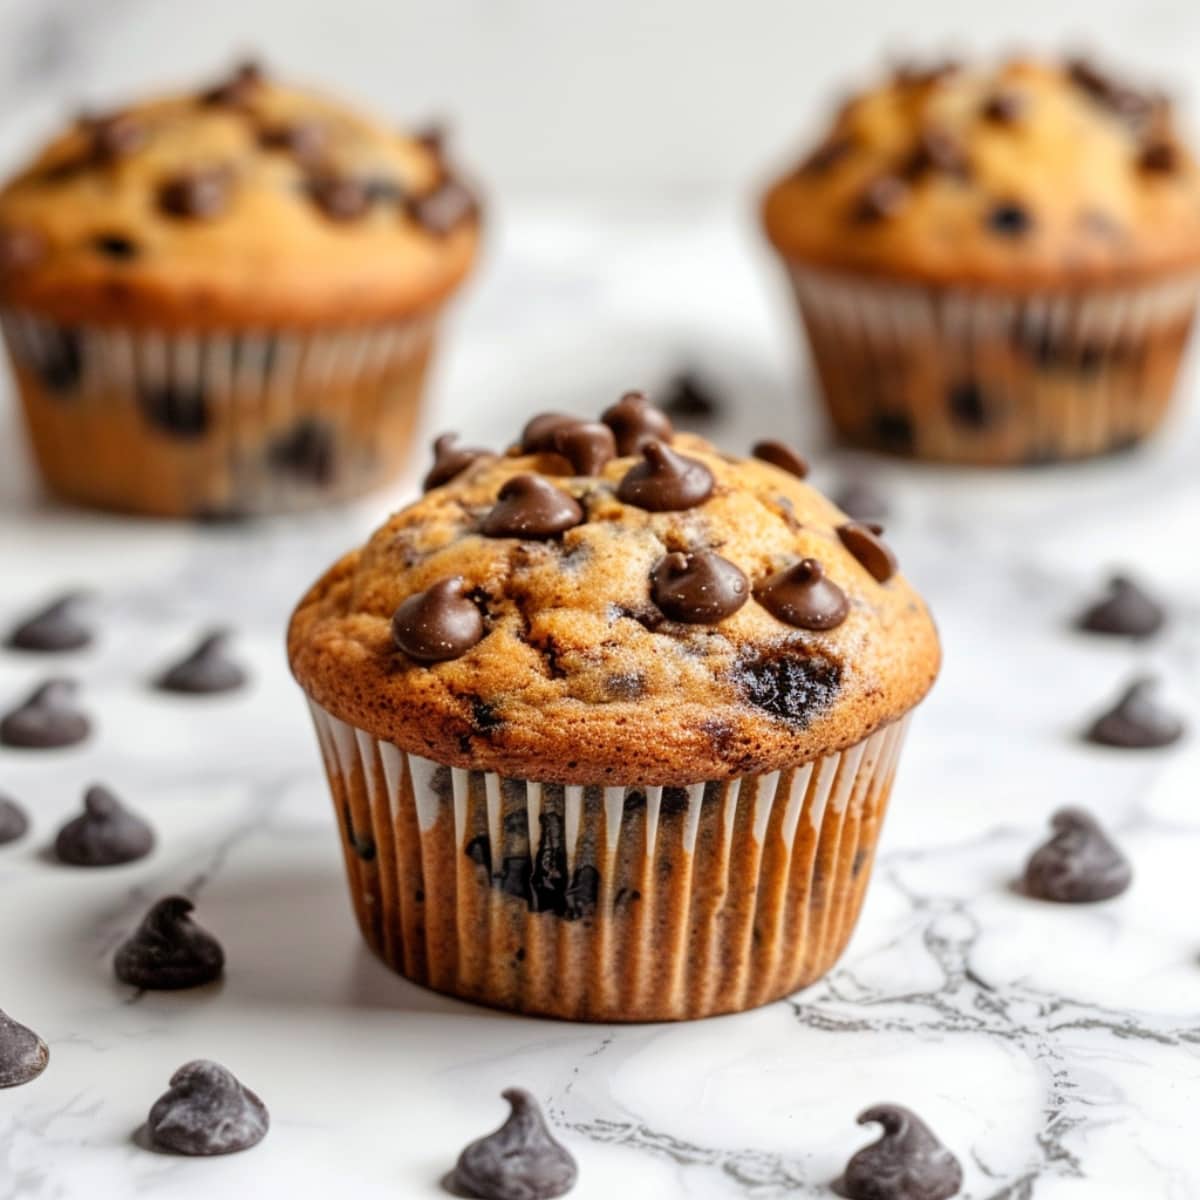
<point x="223" y="303"/>
<point x="995" y="266"/>
<point x="610" y="720"/>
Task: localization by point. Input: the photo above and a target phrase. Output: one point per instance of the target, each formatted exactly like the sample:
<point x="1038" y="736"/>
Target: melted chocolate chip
<point x="58" y="359"/>
<point x="433" y="137"/>
<point x="201" y="194"/>
<point x="20" y="249"/>
<point x="340" y="197"/>
<point x="906" y="1163"/>
<point x="305" y="140"/>
<point x="635" y="421"/>
<point x="442" y="210"/>
<point x="858" y="499"/>
<point x="915" y="74"/>
<point x="529" y="506"/>
<point x="519" y="1161"/>
<point x="539" y="432"/>
<point x="1130" y="105"/>
<point x="106" y="834"/>
<point x="863" y="541"/>
<point x="1009" y="219"/>
<point x="586" y="445"/>
<point x="207" y="1111"/>
<point x="1004" y="108"/>
<point x="114" y="137"/>
<point x="47" y="719"/>
<point x="1128" y="610"/>
<point x="1079" y="864"/>
<point x="175" y="408"/>
<point x="665" y="481"/>
<point x="1159" y="156"/>
<point x="801" y="595"/>
<point x="937" y="150"/>
<point x="1136" y="721"/>
<point x="450" y="460"/>
<point x="53" y="629"/>
<point x="239" y="89"/>
<point x="206" y="670"/>
<point x="14" y="821"/>
<point x="690" y="396"/>
<point x="894" y="431"/>
<point x="437" y="624"/>
<point x="882" y="198"/>
<point x="699" y="589"/>
<point x="115" y="246"/>
<point x="782" y="456"/>
<point x="23" y="1055"/>
<point x="827" y="154"/>
<point x="169" y="951"/>
<point x="791" y="686"/>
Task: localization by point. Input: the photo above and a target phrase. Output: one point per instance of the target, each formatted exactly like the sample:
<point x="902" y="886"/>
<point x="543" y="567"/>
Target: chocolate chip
<point x="689" y="395"/>
<point x="665" y="481"/>
<point x="14" y="821"/>
<point x="169" y="951"/>
<point x="520" y="1161"/>
<point x="937" y="150"/>
<point x="207" y="1111"/>
<point x="586" y="445"/>
<point x="106" y="834"/>
<point x="59" y="359"/>
<point x="790" y="686"/>
<point x="529" y="506"/>
<point x="340" y="197"/>
<point x="47" y="719"/>
<point x="1159" y="156"/>
<point x="20" y="249"/>
<point x="205" y="670"/>
<point x="968" y="405"/>
<point x="863" y="541"/>
<point x="882" y="198"/>
<point x="635" y="421"/>
<point x="1128" y="610"/>
<point x="1136" y="721"/>
<point x="906" y="1163"/>
<point x="894" y="431"/>
<point x="1009" y="219"/>
<point x="539" y="432"/>
<point x="858" y="499"/>
<point x="442" y="210"/>
<point x="53" y="629"/>
<point x="700" y="588"/>
<point x="242" y="85"/>
<point x="437" y="624"/>
<point x="23" y="1055"/>
<point x="1130" y="105"/>
<point x="782" y="456"/>
<point x="433" y="137"/>
<point x="916" y="74"/>
<point x="175" y="408"/>
<point x="1079" y="864"/>
<point x="450" y="460"/>
<point x="802" y="596"/>
<point x="308" y="451"/>
<point x="1004" y="108"/>
<point x="200" y="194"/>
<point x="116" y="246"/>
<point x="827" y="154"/>
<point x="305" y="140"/>
<point x="115" y="136"/>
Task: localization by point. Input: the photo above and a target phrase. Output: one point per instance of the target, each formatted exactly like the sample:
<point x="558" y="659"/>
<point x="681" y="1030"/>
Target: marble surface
<point x="1056" y="1050"/>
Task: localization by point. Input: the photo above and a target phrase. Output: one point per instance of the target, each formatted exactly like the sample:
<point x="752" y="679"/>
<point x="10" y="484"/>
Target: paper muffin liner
<point x="978" y="377"/>
<point x="607" y="903"/>
<point x="217" y="424"/>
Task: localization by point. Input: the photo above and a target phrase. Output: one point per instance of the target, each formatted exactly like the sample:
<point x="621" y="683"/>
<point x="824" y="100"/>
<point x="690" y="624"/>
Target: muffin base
<point x="607" y="903"/>
<point x="217" y="425"/>
<point x="984" y="378"/>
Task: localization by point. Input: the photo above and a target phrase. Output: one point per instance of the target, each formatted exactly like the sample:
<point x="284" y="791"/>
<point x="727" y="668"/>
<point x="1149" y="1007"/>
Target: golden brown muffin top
<point x="610" y="603"/>
<point x="250" y="202"/>
<point x="1028" y="175"/>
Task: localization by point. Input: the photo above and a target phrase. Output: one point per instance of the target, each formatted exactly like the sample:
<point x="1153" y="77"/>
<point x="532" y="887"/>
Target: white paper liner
<point x="659" y="903"/>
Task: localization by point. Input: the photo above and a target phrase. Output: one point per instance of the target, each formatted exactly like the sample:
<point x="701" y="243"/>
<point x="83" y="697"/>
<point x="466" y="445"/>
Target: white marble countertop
<point x="1056" y="1050"/>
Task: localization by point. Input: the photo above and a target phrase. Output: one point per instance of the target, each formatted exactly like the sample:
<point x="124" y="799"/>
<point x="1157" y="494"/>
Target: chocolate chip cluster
<point x="693" y="587"/>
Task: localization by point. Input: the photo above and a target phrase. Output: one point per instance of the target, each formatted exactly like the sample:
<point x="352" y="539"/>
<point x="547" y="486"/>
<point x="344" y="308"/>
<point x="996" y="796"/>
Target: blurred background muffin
<point x="995" y="265"/>
<point x="223" y="302"/>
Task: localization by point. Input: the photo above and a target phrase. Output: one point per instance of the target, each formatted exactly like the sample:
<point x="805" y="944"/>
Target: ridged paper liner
<point x="977" y="377"/>
<point x="185" y="424"/>
<point x="607" y="903"/>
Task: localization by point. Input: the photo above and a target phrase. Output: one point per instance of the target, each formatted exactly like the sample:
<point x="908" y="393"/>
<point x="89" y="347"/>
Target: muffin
<point x="610" y="721"/>
<point x="995" y="266"/>
<point x="224" y="303"/>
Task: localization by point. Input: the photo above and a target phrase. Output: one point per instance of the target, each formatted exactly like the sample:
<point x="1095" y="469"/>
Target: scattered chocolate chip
<point x="14" y="821"/>
<point x="438" y="624"/>
<point x="308" y="452"/>
<point x="340" y="197"/>
<point x="1009" y="218"/>
<point x="906" y="1163"/>
<point x="802" y="596"/>
<point x="47" y="719"/>
<point x="1159" y="156"/>
<point x="635" y="421"/>
<point x="116" y="246"/>
<point x="169" y="951"/>
<point x="780" y="455"/>
<point x="205" y="670"/>
<point x="23" y="1055"/>
<point x="529" y="506"/>
<point x="1004" y="108"/>
<point x="863" y="541"/>
<point x="858" y="499"/>
<point x="827" y="154"/>
<point x="1136" y="721"/>
<point x="106" y="834"/>
<point x="894" y="431"/>
<point x="442" y="210"/>
<point x="207" y="1111"/>
<point x="305" y="140"/>
<point x="53" y="629"/>
<point x="539" y="432"/>
<point x="690" y="396"/>
<point x="968" y="405"/>
<point x="1079" y="864"/>
<point x="115" y="136"/>
<point x="937" y="150"/>
<point x="586" y="445"/>
<point x="1128" y="610"/>
<point x="236" y="91"/>
<point x="791" y="686"/>
<point x="175" y="408"/>
<point x="665" y="481"/>
<point x="700" y="588"/>
<point x="201" y="194"/>
<point x="520" y="1161"/>
<point x="882" y="198"/>
<point x="450" y="460"/>
<point x="1132" y="106"/>
<point x="20" y="249"/>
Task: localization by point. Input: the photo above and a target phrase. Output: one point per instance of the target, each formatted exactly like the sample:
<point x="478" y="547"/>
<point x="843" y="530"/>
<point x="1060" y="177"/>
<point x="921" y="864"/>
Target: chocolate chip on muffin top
<point x="666" y="614"/>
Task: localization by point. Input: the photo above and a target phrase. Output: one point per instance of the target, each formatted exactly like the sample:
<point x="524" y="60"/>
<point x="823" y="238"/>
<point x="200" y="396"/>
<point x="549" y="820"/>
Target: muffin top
<point x="609" y="602"/>
<point x="249" y="202"/>
<point x="1028" y="175"/>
